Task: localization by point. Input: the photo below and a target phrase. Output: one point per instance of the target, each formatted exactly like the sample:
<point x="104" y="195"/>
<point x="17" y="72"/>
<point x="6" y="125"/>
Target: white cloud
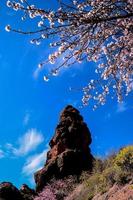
<point x="36" y="73"/>
<point x="121" y="107"/>
<point x="2" y="154"/>
<point x="34" y="163"/>
<point x="27" y="143"/>
<point x="26" y="118"/>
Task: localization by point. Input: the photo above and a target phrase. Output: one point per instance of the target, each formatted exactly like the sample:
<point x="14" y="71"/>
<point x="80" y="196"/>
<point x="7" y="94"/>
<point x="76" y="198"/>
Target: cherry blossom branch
<point x="87" y="30"/>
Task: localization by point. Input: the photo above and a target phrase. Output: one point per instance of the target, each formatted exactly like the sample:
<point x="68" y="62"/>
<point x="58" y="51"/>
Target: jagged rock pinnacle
<point x="70" y="152"/>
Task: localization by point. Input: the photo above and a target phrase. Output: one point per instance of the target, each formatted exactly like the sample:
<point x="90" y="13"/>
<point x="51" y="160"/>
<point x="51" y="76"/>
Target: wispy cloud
<point x="33" y="164"/>
<point x="36" y="73"/>
<point x="26" y="118"/>
<point x="121" y="107"/>
<point x="27" y="143"/>
<point x="2" y="154"/>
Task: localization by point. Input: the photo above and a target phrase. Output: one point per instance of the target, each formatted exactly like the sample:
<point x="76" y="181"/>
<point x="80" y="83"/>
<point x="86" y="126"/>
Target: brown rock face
<point x="9" y="192"/>
<point x="69" y="153"/>
<point x="27" y="193"/>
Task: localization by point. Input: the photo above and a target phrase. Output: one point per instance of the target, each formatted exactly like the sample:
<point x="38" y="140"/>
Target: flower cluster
<point x="99" y="31"/>
<point x="57" y="189"/>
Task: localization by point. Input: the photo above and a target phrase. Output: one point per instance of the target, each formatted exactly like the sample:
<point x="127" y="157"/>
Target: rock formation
<point x="27" y="193"/>
<point x="9" y="192"/>
<point x="70" y="152"/>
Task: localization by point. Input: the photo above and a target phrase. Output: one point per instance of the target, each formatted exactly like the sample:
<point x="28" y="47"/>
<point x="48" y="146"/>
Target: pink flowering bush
<point x="46" y="194"/>
<point x="58" y="189"/>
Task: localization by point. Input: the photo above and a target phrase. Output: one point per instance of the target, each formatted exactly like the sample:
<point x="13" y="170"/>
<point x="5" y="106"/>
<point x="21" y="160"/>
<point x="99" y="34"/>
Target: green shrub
<point x="107" y="163"/>
<point x="114" y="169"/>
<point x="109" y="175"/>
<point x="115" y="174"/>
<point x="121" y="177"/>
<point x="124" y="159"/>
<point x="96" y="184"/>
<point x="98" y="166"/>
<point x="84" y="176"/>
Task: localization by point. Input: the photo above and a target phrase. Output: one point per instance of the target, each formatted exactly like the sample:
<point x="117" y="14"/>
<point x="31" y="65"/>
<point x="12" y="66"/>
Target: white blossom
<point x="8" y="28"/>
<point x="45" y="78"/>
<point x="8" y="3"/>
<point x="97" y="31"/>
<point x="40" y="23"/>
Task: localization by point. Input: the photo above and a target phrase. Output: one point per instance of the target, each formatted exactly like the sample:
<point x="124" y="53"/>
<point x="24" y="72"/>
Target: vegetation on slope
<point x="116" y="169"/>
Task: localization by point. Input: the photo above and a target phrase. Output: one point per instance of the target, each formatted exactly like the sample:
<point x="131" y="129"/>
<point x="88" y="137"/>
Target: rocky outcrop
<point x="9" y="192"/>
<point x="27" y="193"/>
<point x="70" y="152"/>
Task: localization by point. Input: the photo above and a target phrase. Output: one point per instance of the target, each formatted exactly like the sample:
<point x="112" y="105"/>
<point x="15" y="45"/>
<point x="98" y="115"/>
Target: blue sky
<point x="30" y="107"/>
